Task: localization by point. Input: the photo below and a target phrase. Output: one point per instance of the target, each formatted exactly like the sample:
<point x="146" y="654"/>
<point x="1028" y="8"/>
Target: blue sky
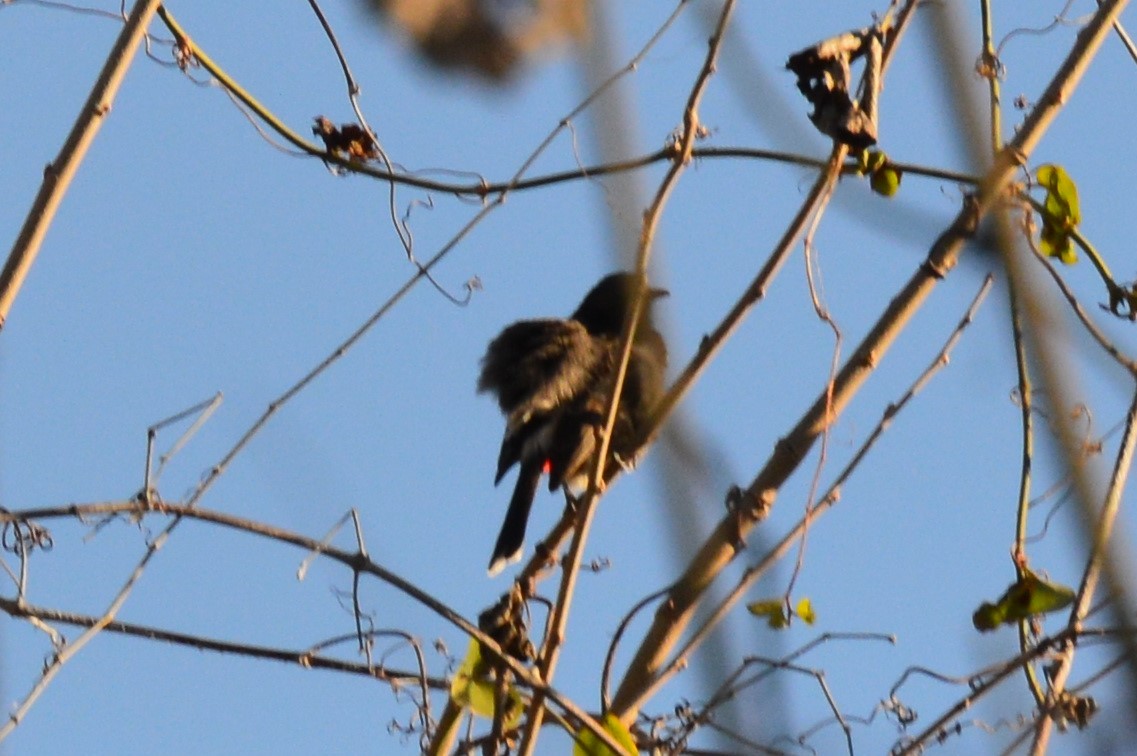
<point x="190" y="257"/>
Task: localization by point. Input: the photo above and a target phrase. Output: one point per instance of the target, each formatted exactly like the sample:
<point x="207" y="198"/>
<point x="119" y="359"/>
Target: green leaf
<point x="1063" y="213"/>
<point x="1027" y="596"/>
<point x="587" y="744"/>
<point x="473" y="687"/>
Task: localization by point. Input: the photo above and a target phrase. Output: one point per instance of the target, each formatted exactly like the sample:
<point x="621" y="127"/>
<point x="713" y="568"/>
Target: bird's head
<point x="609" y="303"/>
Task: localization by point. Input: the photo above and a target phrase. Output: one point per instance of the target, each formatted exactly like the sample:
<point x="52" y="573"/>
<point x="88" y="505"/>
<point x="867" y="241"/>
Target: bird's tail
<point x="511" y="539"/>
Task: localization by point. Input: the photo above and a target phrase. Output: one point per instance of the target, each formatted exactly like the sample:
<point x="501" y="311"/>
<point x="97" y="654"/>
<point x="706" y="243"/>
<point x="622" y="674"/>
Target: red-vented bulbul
<point x="552" y="379"/>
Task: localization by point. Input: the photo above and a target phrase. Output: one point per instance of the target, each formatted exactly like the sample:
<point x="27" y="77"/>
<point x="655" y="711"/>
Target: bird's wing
<point x="536" y="365"/>
<point x="536" y="368"/>
<point x="574" y="441"/>
<point x="645" y="381"/>
<point x="576" y="436"/>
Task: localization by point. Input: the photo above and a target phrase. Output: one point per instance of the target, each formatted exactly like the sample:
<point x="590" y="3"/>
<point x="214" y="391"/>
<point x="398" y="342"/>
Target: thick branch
<point x="720" y="548"/>
<point x="57" y="175"/>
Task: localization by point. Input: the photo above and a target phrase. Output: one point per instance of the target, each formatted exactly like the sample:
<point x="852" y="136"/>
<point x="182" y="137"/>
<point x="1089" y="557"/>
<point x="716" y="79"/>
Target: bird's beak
<point x="654" y="294"/>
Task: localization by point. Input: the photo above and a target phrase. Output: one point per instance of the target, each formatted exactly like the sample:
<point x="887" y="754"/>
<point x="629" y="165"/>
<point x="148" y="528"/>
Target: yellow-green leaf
<point x="870" y="161"/>
<point x="1043" y="597"/>
<point x="1063" y="213"/>
<point x="1061" y="194"/>
<point x="884" y="177"/>
<point x="1027" y="596"/>
<point x="587" y="744"/>
<point x="987" y="617"/>
<point x="773" y="610"/>
<point x="886" y="181"/>
<point x="804" y="609"/>
<point x="875" y="160"/>
<point x="473" y="687"/>
<point x="1054" y="242"/>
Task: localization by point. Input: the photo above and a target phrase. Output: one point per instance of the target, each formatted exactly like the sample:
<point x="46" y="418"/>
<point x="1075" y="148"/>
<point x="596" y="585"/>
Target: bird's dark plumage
<point x="552" y="379"/>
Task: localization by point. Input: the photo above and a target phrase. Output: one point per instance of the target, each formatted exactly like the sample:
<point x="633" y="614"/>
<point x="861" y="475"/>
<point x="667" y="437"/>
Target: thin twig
<point x="1092" y="328"/>
<point x="353" y="560"/>
<point x="1099" y="556"/>
<point x="204" y="410"/>
<point x="353" y="90"/>
<point x="1026" y="413"/>
<point x="610" y="657"/>
<point x="734" y="684"/>
<point x="813" y="279"/>
<point x="977" y="691"/>
<point x="482" y="188"/>
<point x="305" y="658"/>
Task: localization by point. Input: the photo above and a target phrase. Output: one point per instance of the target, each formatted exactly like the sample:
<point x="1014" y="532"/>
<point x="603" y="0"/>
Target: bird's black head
<point x="605" y="308"/>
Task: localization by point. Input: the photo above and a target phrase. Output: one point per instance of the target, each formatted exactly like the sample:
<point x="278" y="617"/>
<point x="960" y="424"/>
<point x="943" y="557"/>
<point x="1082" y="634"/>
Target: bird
<point x="553" y="379"/>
